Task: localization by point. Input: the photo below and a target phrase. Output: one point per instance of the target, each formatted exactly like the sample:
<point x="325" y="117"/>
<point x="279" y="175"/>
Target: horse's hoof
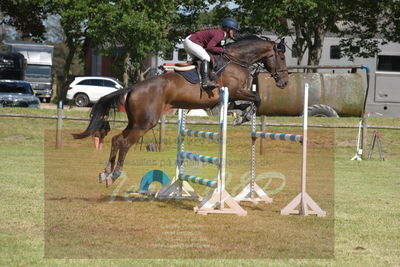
<point x="115" y="175"/>
<point x="109" y="181"/>
<point x="247" y="118"/>
<point x="237" y="121"/>
<point x="102" y="177"/>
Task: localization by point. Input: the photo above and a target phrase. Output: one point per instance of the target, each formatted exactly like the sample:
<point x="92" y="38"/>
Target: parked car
<point x="15" y="93"/>
<point x="88" y="89"/>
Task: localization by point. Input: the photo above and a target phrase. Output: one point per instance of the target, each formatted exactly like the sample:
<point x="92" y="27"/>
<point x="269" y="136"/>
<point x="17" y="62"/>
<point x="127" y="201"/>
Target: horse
<point x="146" y="100"/>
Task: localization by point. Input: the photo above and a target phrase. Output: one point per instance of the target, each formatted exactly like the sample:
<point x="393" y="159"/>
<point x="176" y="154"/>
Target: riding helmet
<point x="230" y="23"/>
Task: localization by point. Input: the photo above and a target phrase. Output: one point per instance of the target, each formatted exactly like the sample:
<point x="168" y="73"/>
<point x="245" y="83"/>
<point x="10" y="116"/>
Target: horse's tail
<point x="100" y="110"/>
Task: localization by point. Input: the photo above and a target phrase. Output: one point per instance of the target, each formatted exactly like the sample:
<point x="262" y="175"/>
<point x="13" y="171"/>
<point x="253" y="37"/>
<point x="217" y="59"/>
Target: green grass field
<point x="54" y="212"/>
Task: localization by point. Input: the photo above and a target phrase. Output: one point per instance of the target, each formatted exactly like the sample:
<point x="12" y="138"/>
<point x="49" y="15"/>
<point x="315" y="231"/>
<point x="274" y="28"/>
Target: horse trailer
<point x="39" y="60"/>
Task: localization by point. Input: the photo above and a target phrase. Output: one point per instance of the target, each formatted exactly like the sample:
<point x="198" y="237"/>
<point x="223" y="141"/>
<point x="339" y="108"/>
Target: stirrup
<point x="209" y="85"/>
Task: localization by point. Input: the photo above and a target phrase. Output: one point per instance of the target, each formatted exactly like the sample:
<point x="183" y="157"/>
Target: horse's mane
<point x="253" y="37"/>
<point x="247" y="39"/>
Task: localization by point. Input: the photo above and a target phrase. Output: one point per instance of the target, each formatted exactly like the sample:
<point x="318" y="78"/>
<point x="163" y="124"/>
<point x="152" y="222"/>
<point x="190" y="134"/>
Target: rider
<point x="198" y="43"/>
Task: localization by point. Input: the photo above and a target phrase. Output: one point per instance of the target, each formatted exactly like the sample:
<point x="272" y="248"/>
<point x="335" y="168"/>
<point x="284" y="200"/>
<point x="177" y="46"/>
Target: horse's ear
<point x="281" y="46"/>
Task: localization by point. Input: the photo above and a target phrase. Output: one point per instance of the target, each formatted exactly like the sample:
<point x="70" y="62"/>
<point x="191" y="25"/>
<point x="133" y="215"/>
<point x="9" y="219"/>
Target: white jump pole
<point x="359" y="151"/>
<point x="222" y="141"/>
<point x="306" y="204"/>
<point x="303" y="208"/>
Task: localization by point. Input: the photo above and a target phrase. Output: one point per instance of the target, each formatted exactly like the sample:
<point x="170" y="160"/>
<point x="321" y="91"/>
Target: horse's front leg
<point x="252" y="101"/>
<point x="247" y="95"/>
<point x="246" y="113"/>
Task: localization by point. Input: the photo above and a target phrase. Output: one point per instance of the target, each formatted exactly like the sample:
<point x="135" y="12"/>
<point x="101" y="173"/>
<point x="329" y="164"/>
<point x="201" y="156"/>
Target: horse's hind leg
<point x="113" y="154"/>
<point x="128" y="138"/>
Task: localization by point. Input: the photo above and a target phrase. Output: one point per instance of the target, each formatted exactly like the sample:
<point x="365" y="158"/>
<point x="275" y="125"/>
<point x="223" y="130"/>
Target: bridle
<point x="277" y="49"/>
<point x="235" y="60"/>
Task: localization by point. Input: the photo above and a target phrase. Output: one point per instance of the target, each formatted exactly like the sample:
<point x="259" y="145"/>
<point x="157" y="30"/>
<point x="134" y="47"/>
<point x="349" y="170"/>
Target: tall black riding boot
<point x="206" y="82"/>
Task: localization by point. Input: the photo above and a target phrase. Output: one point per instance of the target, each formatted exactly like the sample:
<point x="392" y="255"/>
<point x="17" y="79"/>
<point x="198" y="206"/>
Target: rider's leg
<point x="195" y="50"/>
<point x="199" y="52"/>
<point x="206" y="82"/>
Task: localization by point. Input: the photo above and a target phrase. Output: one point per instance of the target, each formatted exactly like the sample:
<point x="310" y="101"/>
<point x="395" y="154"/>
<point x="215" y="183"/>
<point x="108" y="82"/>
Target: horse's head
<point x="275" y="64"/>
<point x="251" y="49"/>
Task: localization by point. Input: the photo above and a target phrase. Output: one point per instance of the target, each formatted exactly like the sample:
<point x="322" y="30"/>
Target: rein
<point x="246" y="65"/>
<point x="254" y="69"/>
<point x="236" y="61"/>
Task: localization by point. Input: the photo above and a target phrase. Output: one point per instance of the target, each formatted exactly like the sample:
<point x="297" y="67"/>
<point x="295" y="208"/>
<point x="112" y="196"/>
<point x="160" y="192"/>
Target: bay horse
<point x="146" y="100"/>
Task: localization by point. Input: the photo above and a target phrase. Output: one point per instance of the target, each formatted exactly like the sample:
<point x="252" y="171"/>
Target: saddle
<point x="191" y="70"/>
<point x="179" y="66"/>
<point x="190" y="65"/>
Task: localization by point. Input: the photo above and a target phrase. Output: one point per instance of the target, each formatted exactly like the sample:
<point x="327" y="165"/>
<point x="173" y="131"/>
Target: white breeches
<point x="195" y="50"/>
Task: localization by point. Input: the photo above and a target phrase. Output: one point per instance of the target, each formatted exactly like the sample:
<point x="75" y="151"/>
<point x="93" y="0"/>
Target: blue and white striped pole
<point x="180" y="145"/>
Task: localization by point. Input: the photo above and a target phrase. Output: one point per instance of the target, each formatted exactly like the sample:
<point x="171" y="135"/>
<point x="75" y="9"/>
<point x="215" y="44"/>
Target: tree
<point x="140" y="28"/>
<point x="134" y="28"/>
<point x="74" y="17"/>
<point x="390" y="20"/>
<point x="360" y="25"/>
<point x="306" y="20"/>
<point x="26" y="16"/>
<point x="309" y="21"/>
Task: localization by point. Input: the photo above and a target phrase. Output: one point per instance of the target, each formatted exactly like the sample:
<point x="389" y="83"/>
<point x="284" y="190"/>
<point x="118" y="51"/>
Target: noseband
<point x="277" y="48"/>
